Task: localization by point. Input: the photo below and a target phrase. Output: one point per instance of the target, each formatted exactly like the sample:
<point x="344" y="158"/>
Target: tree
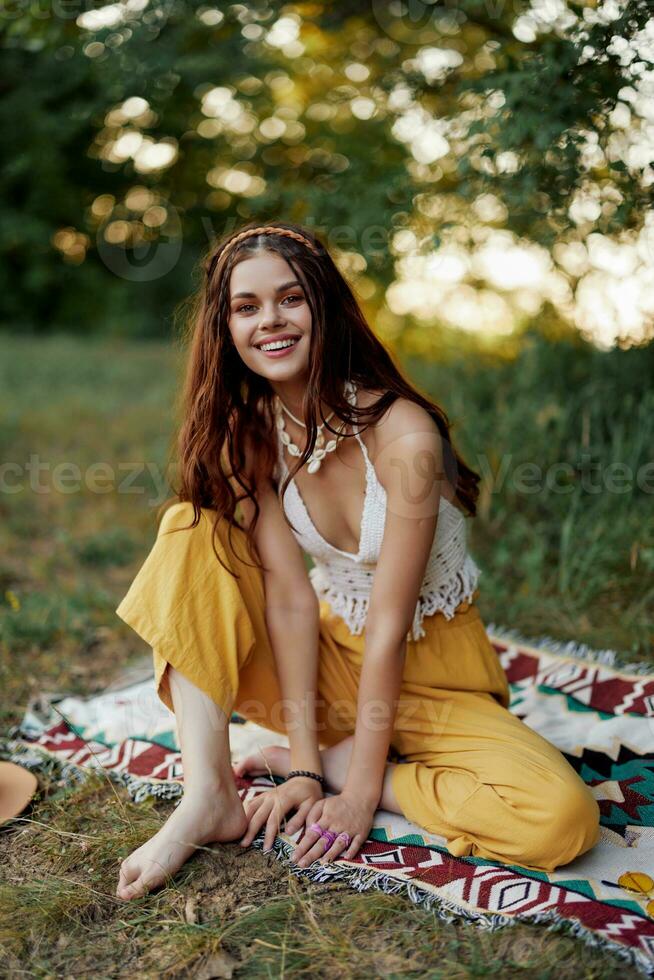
<point x="155" y="127"/>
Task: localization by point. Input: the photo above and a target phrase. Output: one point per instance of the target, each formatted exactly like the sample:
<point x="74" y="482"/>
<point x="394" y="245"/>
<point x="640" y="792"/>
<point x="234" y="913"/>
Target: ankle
<point x="211" y="789"/>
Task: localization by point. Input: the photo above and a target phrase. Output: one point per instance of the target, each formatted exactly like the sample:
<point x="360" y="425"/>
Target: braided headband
<point x="270" y="230"/>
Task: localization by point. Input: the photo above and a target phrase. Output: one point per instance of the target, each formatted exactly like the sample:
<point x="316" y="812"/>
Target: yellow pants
<point x="469" y="771"/>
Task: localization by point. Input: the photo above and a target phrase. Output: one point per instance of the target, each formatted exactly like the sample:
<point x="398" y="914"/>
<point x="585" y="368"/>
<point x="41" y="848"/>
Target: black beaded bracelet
<point x="305" y="772"/>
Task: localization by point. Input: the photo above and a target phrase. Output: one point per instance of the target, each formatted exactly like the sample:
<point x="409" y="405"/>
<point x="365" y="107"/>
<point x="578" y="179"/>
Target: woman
<point x="301" y="435"/>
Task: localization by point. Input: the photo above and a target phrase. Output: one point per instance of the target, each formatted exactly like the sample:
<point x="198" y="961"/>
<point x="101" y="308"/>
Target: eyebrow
<point x="280" y="289"/>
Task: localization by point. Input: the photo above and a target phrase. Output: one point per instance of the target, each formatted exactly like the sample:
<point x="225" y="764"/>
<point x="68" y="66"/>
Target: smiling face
<point x="268" y="304"/>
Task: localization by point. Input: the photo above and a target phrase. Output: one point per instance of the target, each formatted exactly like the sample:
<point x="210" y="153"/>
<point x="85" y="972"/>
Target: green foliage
<point x="347" y="175"/>
<point x="114" y="547"/>
<point x="556" y="99"/>
<point x="41" y="619"/>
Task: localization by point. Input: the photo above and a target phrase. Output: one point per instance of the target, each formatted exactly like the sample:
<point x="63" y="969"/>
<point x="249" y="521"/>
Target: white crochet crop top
<point x="344" y="580"/>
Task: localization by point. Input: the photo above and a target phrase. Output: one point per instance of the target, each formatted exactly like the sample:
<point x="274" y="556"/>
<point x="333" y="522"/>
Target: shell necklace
<point x="320" y="450"/>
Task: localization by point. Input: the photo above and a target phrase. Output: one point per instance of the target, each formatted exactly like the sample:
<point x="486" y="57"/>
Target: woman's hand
<point x="335" y="813"/>
<point x="300" y="793"/>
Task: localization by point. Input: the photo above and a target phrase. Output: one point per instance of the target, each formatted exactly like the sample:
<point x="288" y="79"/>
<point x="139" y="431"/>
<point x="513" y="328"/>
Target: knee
<point x="187" y="551"/>
<point x="179" y="514"/>
<point x="579" y="818"/>
<point x="179" y="517"/>
<point x="569" y="824"/>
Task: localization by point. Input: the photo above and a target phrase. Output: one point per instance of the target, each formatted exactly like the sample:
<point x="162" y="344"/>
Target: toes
<point x="136" y="889"/>
<point x="128" y="875"/>
<point x="245" y="765"/>
<point x="134" y="882"/>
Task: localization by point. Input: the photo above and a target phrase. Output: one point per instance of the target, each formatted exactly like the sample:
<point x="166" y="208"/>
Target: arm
<point x="409" y="464"/>
<point x="292" y="619"/>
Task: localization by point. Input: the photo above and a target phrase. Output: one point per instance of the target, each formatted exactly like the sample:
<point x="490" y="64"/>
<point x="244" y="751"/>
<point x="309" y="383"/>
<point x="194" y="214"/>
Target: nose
<point x="270" y="315"/>
<point x="269" y="321"/>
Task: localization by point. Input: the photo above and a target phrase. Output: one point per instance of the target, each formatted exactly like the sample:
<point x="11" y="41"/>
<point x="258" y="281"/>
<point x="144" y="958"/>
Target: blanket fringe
<point x="569" y="648"/>
<point x="363" y="879"/>
<point x="68" y="774"/>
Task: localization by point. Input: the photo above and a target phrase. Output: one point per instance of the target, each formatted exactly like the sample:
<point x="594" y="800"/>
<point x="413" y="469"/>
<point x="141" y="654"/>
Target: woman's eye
<point x="249" y="306"/>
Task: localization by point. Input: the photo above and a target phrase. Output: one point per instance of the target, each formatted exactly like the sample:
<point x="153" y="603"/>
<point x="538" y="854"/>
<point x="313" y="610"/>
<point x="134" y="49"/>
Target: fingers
<point x="310" y="847"/>
<point x="310" y="836"/>
<point x="320" y="850"/>
<point x="252" y="805"/>
<point x="257" y="814"/>
<point x="357" y="843"/>
<point x="276" y="816"/>
<point x="314" y="853"/>
<point x="331" y="853"/>
<point x="315" y="813"/>
<point x="263" y="809"/>
<point x="340" y="849"/>
<point x="314" y="847"/>
<point x="300" y="817"/>
<point x="272" y="826"/>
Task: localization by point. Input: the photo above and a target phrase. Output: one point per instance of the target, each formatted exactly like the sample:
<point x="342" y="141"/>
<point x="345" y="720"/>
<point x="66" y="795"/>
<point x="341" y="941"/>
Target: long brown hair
<point x="225" y="403"/>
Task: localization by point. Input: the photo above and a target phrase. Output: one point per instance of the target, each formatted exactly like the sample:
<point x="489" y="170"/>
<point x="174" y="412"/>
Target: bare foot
<point x="198" y="820"/>
<point x="277" y="759"/>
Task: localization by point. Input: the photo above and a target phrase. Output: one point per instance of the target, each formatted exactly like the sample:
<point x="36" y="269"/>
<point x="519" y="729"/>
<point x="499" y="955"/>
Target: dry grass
<point x="229" y="912"/>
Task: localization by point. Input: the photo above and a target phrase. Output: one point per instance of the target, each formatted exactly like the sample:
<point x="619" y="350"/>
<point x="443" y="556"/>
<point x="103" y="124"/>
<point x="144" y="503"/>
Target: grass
<point x="574" y="565"/>
<point x="230" y="912"/>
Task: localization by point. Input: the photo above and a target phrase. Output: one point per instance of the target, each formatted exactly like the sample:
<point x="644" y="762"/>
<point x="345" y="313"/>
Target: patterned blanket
<point x="599" y="713"/>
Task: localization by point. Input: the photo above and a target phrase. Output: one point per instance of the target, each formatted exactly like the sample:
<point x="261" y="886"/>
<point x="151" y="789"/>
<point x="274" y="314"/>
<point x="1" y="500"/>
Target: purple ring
<point x="316" y="827"/>
<point x="347" y="837"/>
<point x="330" y="837"/>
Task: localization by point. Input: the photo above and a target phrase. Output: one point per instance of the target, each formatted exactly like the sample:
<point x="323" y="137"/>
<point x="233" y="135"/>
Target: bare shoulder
<point x="399" y="444"/>
<point x="402" y="418"/>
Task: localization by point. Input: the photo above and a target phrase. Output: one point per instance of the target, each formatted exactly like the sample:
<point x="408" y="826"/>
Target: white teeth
<point x="278" y="344"/>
